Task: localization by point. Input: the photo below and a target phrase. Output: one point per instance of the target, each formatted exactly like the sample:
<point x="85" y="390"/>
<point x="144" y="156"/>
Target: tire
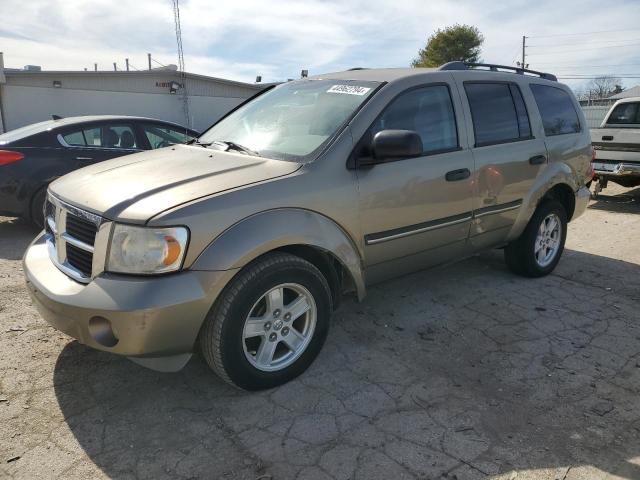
<point x="520" y="255"/>
<point x="244" y="303"/>
<point x="36" y="210"/>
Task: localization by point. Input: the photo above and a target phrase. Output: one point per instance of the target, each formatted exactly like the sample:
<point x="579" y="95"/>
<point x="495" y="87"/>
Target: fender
<point x="272" y="229"/>
<point x="556" y="173"/>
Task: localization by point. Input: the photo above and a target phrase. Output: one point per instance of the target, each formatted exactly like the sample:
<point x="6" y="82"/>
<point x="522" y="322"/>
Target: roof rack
<point x="496" y="68"/>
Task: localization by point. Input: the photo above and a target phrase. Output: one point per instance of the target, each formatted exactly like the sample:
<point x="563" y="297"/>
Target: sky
<point x="276" y="39"/>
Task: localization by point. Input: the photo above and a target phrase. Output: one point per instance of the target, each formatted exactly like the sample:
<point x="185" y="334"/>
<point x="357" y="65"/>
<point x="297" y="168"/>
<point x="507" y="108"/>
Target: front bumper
<point x="147" y="317"/>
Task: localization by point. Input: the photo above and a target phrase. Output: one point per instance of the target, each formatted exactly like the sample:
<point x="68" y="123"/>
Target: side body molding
<point x="272" y="229"/>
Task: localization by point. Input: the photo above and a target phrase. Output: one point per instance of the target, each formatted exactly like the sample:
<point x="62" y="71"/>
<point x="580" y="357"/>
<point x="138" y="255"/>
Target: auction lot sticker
<point x="349" y="89"/>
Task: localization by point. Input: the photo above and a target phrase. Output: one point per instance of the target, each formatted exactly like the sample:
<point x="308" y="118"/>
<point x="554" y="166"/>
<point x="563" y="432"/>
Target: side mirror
<point x="390" y="144"/>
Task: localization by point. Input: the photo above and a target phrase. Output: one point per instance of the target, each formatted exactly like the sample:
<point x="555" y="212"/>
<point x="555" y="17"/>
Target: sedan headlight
<point x="146" y="250"/>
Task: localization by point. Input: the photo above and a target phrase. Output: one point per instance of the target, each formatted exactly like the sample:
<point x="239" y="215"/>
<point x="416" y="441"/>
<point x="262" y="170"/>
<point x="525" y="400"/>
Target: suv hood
<point x="136" y="187"/>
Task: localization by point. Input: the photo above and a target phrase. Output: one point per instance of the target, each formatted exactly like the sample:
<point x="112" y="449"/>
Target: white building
<point x="32" y="95"/>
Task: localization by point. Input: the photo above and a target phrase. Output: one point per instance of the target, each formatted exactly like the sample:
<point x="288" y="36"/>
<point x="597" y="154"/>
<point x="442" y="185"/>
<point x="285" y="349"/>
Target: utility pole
<point x="115" y="68"/>
<point x="149" y="58"/>
<point x="523" y="51"/>
<point x="126" y="61"/>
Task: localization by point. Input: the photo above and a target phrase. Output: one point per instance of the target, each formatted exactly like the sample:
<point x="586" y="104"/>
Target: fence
<point x="595" y="115"/>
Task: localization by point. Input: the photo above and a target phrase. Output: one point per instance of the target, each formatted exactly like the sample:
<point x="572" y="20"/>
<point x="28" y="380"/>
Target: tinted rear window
<point x="498" y="112"/>
<point x="625" y="113"/>
<point x="556" y="108"/>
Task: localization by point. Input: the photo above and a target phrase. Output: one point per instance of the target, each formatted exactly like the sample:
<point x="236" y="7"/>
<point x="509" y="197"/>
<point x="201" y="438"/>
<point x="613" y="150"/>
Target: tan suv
<point x="242" y="243"/>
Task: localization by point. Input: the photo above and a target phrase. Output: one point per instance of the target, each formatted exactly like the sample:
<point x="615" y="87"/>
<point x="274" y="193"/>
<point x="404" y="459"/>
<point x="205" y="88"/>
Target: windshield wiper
<point x="194" y="141"/>
<point x="237" y="147"/>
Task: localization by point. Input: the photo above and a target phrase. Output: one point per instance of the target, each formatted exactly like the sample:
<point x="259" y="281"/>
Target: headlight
<point x="147" y="250"/>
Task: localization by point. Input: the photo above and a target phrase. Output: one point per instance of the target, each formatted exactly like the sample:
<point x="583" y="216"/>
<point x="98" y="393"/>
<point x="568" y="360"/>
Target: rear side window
<point x="556" y="108"/>
<point x="625" y="113"/>
<point x="427" y="111"/>
<point x="498" y="112"/>
<point x="108" y="136"/>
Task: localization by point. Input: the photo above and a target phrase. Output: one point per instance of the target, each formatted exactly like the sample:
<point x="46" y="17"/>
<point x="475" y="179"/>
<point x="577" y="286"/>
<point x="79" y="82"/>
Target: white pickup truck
<point x="616" y="145"/>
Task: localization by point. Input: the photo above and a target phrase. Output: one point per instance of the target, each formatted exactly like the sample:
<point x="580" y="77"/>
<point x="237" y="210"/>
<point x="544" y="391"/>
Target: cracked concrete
<point x="464" y="372"/>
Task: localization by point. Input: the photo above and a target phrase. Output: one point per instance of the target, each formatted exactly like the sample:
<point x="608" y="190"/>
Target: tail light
<point x="7" y="157"/>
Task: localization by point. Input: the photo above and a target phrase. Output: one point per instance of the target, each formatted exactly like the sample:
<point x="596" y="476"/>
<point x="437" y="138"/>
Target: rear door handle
<point x="538" y="160"/>
<point x="455" y="175"/>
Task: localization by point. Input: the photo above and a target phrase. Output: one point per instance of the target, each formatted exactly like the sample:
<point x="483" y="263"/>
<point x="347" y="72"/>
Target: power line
<point x="585" y="43"/>
<point x="582" y="49"/>
<point x="161" y="64"/>
<point x="584" y="33"/>
<point x="589" y="66"/>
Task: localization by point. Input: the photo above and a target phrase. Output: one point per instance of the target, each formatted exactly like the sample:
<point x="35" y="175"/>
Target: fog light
<point x="102" y="332"/>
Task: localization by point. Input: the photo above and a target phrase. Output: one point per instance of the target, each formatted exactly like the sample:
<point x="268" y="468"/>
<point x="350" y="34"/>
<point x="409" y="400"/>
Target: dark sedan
<point x="33" y="156"/>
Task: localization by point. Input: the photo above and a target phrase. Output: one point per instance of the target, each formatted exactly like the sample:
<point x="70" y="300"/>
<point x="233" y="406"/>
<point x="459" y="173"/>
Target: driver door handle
<point x="455" y="175"/>
<point x="538" y="160"/>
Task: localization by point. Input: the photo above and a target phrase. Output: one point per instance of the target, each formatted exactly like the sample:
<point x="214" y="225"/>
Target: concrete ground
<point x="461" y="372"/>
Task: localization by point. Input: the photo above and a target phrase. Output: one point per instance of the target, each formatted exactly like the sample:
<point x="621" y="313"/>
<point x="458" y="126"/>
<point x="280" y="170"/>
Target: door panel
<point x="508" y="154"/>
<point x="408" y="206"/>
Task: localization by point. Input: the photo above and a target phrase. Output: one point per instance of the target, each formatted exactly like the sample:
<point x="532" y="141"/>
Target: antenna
<point x="183" y="75"/>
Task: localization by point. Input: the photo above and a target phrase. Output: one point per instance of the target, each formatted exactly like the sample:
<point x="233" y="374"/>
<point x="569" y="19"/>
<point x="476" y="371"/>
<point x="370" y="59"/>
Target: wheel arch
<point x="304" y="233"/>
<point x="557" y="181"/>
<point x="563" y="194"/>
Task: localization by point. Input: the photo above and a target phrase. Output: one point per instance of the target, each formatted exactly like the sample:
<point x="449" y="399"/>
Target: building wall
<point x="25" y="105"/>
<point x="30" y="97"/>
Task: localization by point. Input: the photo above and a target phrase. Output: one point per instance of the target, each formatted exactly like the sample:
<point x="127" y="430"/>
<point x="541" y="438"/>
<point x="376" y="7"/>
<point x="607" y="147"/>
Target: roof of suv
<point x="391" y="74"/>
<point x="375" y="74"/>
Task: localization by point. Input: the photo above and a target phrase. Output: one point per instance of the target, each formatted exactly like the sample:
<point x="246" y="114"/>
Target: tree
<point x="600" y="88"/>
<point x="457" y="42"/>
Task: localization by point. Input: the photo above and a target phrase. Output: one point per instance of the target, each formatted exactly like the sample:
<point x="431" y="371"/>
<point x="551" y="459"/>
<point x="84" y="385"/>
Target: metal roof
<point x="630" y="92"/>
<point x="122" y="73"/>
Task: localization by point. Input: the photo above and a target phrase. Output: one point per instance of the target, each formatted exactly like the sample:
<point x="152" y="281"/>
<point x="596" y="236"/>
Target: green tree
<point x="457" y="42"/>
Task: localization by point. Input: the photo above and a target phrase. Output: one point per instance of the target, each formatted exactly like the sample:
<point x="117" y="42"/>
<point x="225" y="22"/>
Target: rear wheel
<point x="537" y="251"/>
<point x="269" y="323"/>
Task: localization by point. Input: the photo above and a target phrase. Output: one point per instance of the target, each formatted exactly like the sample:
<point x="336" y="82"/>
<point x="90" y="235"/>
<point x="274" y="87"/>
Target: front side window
<point x="107" y="136"/>
<point x="625" y="113"/>
<point x="161" y="136"/>
<point x="498" y="112"/>
<point x="556" y="108"/>
<point x="427" y="111"/>
<point x="294" y="120"/>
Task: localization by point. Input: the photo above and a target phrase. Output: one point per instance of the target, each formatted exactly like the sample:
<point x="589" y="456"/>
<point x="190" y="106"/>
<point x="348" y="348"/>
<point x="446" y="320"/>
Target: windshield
<point x="294" y="120"/>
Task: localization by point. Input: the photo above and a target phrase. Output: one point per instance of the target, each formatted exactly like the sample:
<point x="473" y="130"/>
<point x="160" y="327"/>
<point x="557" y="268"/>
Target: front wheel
<point x="537" y="251"/>
<point x="269" y="323"/>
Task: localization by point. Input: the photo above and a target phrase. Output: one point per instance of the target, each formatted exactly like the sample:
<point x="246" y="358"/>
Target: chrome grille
<point x="71" y="237"/>
<point x="82" y="229"/>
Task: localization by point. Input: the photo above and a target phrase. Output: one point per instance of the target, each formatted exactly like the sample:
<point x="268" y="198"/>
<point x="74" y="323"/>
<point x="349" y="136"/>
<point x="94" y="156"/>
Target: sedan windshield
<point x="293" y="121"/>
